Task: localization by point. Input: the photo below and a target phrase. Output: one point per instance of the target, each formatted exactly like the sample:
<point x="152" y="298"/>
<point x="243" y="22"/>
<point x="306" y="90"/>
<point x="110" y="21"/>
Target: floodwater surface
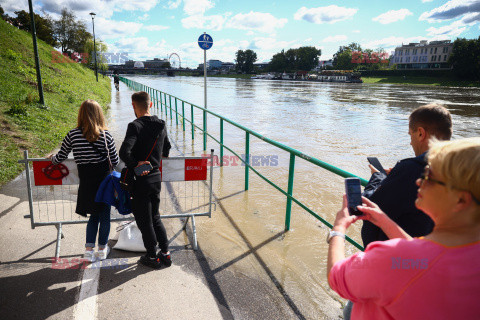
<point x="340" y="124"/>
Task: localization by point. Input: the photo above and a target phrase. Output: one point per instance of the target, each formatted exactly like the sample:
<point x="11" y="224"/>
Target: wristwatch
<point x="332" y="234"/>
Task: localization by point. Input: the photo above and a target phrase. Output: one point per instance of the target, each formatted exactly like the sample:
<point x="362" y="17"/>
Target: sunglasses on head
<point x="427" y="176"/>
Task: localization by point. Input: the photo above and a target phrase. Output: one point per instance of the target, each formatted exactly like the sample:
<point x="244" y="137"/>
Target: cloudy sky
<point x="157" y="28"/>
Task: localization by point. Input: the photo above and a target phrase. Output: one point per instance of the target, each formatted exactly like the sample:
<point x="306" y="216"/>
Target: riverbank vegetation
<point x="27" y="125"/>
<point x="419" y="80"/>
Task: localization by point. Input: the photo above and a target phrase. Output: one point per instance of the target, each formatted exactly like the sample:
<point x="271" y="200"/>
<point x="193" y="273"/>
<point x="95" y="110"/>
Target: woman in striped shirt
<point x="93" y="149"/>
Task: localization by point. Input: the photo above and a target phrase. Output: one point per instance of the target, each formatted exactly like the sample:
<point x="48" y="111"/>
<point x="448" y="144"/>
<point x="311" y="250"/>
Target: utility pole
<point x="94" y="46"/>
<point x="35" y="51"/>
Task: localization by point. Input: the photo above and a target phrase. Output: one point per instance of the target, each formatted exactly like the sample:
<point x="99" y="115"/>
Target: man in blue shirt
<point x="396" y="192"/>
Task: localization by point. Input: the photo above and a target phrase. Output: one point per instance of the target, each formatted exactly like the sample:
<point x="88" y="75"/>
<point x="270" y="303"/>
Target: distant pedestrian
<point x="89" y="142"/>
<point x="146" y="142"/>
<point x="116" y="81"/>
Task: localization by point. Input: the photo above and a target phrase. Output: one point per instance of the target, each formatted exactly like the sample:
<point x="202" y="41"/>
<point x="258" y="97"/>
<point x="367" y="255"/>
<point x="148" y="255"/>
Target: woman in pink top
<point x="433" y="277"/>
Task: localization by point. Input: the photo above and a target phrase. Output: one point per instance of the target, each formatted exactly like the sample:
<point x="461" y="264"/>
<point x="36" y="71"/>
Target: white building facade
<point x="423" y="55"/>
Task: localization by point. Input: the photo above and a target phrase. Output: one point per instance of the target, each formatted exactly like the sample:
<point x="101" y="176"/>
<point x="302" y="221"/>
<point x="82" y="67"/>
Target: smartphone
<point x="376" y="164"/>
<point x="354" y="195"/>
<point x="144" y="167"/>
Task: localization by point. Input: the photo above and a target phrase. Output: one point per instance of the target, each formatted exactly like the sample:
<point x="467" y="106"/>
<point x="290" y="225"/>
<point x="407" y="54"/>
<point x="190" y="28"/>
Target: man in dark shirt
<point x="396" y="192"/>
<point x="146" y="142"/>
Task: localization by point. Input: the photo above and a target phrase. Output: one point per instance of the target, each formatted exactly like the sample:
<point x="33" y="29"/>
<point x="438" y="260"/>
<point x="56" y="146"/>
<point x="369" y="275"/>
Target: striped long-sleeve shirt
<point x="83" y="151"/>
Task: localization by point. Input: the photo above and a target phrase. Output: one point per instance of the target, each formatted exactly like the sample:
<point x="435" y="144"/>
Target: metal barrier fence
<point x="186" y="193"/>
<point x="159" y="99"/>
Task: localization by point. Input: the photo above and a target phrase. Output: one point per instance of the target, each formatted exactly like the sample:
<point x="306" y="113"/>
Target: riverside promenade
<point x="196" y="286"/>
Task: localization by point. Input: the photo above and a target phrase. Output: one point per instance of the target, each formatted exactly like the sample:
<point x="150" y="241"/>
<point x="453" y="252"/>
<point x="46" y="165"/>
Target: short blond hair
<point x="458" y="162"/>
<point x="91" y="120"/>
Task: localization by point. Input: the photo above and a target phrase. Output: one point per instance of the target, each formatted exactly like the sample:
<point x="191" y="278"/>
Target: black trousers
<point x="145" y="204"/>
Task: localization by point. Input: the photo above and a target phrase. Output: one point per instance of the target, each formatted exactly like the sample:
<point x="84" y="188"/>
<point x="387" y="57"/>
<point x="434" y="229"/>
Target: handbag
<point x="110" y="195"/>
<point x="127" y="179"/>
<point x="127" y="176"/>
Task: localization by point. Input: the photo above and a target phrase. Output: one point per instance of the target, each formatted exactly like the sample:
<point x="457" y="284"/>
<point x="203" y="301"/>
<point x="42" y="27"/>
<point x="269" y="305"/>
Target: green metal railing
<point x="154" y="93"/>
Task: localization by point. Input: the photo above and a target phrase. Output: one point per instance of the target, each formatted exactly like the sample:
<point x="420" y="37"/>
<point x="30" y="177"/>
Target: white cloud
<point x="144" y="17"/>
<point x="258" y="21"/>
<point x="103" y="8"/>
<point x="392" y="16"/>
<point x="336" y="38"/>
<point x="450" y="10"/>
<point x="214" y="22"/>
<point x="155" y="28"/>
<point x="139" y="48"/>
<point x="329" y="14"/>
<point x="10" y="6"/>
<point x="308" y="40"/>
<point x="197" y="7"/>
<point x="426" y="1"/>
<point x="449" y="31"/>
<point x="130" y="5"/>
<point x="355" y="31"/>
<point x="389" y="42"/>
<point x="173" y="4"/>
<point x="108" y="29"/>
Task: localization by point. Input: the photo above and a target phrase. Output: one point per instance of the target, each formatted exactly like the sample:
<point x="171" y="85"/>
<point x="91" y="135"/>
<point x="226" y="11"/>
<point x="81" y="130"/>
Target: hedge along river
<point x="340" y="124"/>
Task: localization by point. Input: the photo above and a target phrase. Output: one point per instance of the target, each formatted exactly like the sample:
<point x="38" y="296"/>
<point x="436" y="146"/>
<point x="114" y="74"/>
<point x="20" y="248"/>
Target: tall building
<point x="423" y="55"/>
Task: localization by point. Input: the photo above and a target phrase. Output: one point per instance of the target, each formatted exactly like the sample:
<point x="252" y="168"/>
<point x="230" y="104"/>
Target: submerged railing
<point x="159" y="96"/>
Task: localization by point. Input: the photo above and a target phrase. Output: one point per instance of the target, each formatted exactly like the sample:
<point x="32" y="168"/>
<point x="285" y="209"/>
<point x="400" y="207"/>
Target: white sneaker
<point x="89" y="256"/>
<point x="103" y="253"/>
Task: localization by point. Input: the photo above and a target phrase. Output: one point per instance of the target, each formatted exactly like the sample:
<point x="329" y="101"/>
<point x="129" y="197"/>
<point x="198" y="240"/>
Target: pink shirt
<point x="411" y="279"/>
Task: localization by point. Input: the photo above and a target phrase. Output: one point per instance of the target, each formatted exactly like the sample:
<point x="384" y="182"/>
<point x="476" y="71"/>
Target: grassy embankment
<point x="25" y="123"/>
<point x="430" y="81"/>
<point x="411" y="80"/>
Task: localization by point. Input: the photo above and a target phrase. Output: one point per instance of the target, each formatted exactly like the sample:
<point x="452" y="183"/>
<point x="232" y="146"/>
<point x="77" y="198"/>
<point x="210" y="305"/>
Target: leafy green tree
<point x="307" y="58"/>
<point x="102" y="63"/>
<point x="71" y="34"/>
<point x="303" y="58"/>
<point x="342" y="59"/>
<point x="1" y="12"/>
<point x="245" y="60"/>
<point x="43" y="25"/>
<point x="278" y="62"/>
<point x="465" y="58"/>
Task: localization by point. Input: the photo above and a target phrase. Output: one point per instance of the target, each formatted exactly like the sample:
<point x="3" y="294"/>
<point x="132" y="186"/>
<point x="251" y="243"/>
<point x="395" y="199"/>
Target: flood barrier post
<point x="170" y="105"/>
<point x="221" y="142"/>
<point x="193" y="126"/>
<point x="29" y="188"/>
<point x="291" y="170"/>
<point x="176" y="111"/>
<point x="183" y="115"/>
<point x="247" y="157"/>
<point x="165" y="99"/>
<point x="161" y="103"/>
<point x="204" y="130"/>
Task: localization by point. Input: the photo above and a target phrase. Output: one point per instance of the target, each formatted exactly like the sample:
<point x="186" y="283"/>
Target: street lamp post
<point x="35" y="50"/>
<point x="94" y="45"/>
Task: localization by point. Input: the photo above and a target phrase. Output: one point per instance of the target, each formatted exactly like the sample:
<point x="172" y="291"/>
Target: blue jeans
<point x="103" y="218"/>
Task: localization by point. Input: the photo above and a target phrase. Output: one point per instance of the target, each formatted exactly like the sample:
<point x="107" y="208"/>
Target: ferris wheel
<point x="175" y="61"/>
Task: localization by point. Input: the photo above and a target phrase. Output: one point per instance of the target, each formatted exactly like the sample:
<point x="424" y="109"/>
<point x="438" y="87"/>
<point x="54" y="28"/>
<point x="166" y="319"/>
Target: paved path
<point x="195" y="287"/>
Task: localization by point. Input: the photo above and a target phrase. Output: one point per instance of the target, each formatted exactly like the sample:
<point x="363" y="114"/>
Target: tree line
<point x="68" y="33"/>
<point x="303" y="58"/>
<point x="464" y="60"/>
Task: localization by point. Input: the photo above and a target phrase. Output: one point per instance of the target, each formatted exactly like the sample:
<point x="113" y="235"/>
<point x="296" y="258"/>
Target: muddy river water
<point x="340" y="124"/>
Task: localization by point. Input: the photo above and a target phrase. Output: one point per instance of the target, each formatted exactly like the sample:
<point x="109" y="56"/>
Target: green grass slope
<point x="25" y="124"/>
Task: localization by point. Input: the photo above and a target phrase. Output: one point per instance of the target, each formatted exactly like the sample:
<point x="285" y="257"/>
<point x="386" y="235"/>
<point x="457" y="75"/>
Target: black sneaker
<point x="165" y="258"/>
<point x="152" y="262"/>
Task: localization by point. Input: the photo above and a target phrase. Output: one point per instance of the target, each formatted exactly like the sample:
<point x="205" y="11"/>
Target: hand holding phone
<point x="142" y="168"/>
<point x="376" y="164"/>
<point x="354" y="195"/>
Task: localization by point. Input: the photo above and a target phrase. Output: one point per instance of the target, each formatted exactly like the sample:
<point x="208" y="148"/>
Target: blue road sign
<point x="205" y="41"/>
